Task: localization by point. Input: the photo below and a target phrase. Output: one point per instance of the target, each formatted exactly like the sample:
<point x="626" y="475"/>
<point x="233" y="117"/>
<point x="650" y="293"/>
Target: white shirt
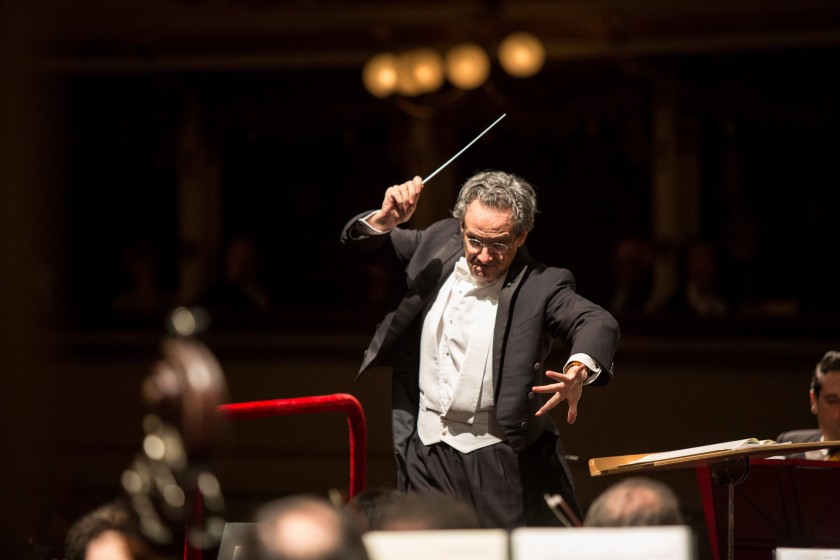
<point x="456" y="364"/>
<point x="818" y="454"/>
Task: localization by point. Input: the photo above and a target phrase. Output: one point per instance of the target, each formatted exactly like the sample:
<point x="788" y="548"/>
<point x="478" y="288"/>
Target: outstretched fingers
<point x="569" y="388"/>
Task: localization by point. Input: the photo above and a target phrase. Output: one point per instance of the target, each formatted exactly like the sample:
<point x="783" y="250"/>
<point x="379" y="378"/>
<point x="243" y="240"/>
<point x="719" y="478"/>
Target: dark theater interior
<point x="202" y="157"/>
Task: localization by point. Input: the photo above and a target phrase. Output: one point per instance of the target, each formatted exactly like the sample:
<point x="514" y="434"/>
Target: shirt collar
<point x="463" y="274"/>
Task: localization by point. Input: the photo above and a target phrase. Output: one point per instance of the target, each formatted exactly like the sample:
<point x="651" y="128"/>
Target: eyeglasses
<point x="478" y="245"/>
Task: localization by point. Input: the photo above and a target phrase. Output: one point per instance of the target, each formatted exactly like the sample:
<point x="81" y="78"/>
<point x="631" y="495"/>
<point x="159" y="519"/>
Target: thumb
<point x="572" y="415"/>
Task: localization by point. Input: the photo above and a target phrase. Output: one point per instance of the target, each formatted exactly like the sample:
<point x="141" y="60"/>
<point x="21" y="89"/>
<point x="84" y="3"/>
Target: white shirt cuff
<point x="370" y="230"/>
<point x="586" y="359"/>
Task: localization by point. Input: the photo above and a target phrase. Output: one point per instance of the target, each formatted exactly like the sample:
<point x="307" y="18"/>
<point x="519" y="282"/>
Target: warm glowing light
<point x="131" y="481"/>
<point x="521" y="55"/>
<point x="174" y="451"/>
<point x="419" y="71"/>
<point x="183" y="321"/>
<point x="154" y="447"/>
<point x="423" y="71"/>
<point x="467" y="66"/>
<point x="380" y="75"/>
<point x="406" y="81"/>
<point x="174" y="495"/>
<point x="208" y="484"/>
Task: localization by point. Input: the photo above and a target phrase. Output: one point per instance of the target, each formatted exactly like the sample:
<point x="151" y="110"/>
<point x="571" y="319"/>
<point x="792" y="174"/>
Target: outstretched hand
<point x="568" y="388"/>
<point x="398" y="206"/>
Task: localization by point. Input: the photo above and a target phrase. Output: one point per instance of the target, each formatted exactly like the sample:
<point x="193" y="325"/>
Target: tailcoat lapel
<point x="421" y="289"/>
<point x="514" y="277"/>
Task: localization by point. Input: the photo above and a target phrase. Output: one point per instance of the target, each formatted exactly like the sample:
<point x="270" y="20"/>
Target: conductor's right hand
<point x="398" y="205"/>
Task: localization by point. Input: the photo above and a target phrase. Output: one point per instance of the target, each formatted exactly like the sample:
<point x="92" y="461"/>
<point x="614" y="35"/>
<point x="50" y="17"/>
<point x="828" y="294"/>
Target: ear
<point x="521" y="239"/>
<point x="813" y="399"/>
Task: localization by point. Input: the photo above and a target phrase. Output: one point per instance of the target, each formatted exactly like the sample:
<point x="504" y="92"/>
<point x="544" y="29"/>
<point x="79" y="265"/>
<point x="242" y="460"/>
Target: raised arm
<point x="398" y="206"/>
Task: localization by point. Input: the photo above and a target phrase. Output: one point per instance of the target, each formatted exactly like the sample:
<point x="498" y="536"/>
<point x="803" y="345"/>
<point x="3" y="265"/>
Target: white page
<point x="473" y="544"/>
<point x="602" y="543"/>
<point x="807" y="554"/>
<point x="725" y="446"/>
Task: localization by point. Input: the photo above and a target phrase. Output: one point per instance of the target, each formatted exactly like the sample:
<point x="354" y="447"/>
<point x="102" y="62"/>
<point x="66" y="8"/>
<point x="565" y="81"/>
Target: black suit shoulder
<point x="799" y="436"/>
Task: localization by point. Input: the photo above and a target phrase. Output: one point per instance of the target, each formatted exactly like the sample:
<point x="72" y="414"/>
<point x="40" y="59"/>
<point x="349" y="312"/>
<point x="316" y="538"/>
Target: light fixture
<point x="380" y="75"/>
<point x="419" y="71"/>
<point x="467" y="66"/>
<point x="521" y="54"/>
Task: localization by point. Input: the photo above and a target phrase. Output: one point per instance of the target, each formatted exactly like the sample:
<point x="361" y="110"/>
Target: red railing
<point x="339" y="402"/>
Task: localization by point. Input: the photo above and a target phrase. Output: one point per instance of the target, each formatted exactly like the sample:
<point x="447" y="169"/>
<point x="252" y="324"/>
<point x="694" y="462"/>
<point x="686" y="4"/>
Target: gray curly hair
<point x="502" y="191"/>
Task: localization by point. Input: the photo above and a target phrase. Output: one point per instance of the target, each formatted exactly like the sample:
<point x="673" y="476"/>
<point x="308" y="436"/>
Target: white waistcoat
<point x="456" y="364"/>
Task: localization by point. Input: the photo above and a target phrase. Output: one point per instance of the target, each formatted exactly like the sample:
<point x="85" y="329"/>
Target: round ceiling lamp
<point x="467" y="66"/>
<point x="380" y="75"/>
<point x="521" y="54"/>
<point x="420" y="71"/>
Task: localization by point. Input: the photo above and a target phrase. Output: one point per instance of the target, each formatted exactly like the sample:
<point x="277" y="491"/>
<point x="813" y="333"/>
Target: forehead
<point x="831" y="382"/>
<point x="481" y="219"/>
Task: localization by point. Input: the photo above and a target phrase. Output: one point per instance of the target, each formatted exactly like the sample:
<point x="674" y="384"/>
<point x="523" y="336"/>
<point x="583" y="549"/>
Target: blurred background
<point x="207" y="153"/>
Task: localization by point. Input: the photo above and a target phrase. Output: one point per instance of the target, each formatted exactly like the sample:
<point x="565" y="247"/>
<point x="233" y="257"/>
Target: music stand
<point x="783" y="503"/>
<point x="728" y="467"/>
<point x="235" y="537"/>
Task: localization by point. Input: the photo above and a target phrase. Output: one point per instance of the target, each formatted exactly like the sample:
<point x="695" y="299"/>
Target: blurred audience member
<point x="635" y="502"/>
<point x="752" y="283"/>
<point x="368" y="506"/>
<point x="631" y="275"/>
<point x="699" y="290"/>
<point x="144" y="296"/>
<point x="305" y="528"/>
<point x="240" y="288"/>
<point x="825" y="405"/>
<point x="745" y="278"/>
<point x="424" y="511"/>
<point x="107" y="533"/>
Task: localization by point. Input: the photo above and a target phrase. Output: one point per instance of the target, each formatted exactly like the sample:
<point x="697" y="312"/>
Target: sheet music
<point x="725" y="446"/>
<point x="807" y="554"/>
<point x="469" y="544"/>
<point x="602" y="543"/>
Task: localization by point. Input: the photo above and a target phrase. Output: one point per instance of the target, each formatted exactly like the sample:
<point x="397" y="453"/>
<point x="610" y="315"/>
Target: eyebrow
<point x="502" y="240"/>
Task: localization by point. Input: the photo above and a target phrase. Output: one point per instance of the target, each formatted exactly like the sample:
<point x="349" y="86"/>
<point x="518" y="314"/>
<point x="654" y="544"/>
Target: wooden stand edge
<point x="624" y="463"/>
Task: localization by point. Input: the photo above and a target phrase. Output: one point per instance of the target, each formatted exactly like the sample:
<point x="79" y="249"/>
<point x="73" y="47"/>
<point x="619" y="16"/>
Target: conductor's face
<point x="827" y="406"/>
<point x="490" y="241"/>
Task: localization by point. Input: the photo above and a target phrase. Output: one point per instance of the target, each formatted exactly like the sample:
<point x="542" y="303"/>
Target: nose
<point x="485" y="254"/>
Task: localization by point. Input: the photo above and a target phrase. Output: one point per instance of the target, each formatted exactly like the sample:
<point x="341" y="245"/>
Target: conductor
<point x="468" y="344"/>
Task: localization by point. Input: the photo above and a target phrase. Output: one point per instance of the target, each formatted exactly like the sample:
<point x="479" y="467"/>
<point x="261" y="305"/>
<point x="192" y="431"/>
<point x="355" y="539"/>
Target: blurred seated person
<point x="635" y="502"/>
<point x="304" y="527"/>
<point x="698" y="293"/>
<point x="240" y="288"/>
<point x="107" y="533"/>
<point x="632" y="276"/>
<point x="428" y="511"/>
<point x="368" y="506"/>
<point x="144" y="296"/>
<point x="825" y="405"/>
